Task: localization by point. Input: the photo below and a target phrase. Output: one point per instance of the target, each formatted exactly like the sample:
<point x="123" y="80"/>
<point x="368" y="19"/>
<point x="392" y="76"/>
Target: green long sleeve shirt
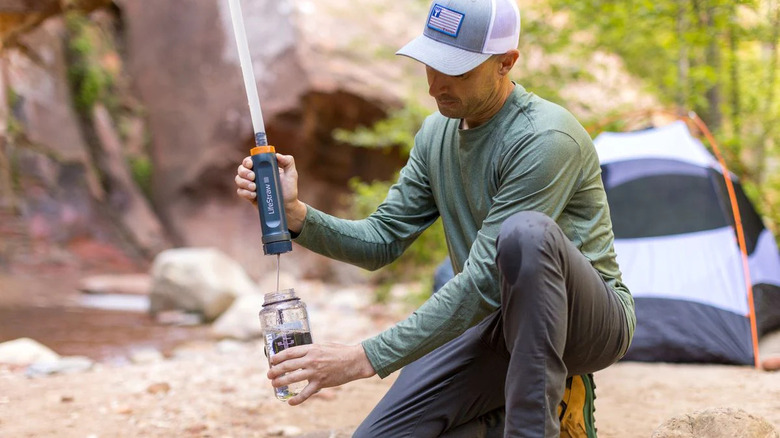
<point x="532" y="155"/>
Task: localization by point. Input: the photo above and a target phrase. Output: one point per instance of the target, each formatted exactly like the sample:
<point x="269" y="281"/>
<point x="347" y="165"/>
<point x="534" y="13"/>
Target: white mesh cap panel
<point x="504" y="31"/>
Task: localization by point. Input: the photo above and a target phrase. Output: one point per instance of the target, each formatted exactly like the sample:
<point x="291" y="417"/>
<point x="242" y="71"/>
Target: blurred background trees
<point x="718" y="58"/>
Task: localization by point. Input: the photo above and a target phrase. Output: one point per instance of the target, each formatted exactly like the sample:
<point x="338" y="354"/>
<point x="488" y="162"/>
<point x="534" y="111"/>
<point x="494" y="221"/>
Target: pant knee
<point x="524" y="231"/>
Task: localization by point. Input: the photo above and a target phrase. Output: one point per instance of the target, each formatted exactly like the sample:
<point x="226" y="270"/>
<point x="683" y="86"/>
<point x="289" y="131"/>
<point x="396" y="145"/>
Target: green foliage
<point x="718" y="58"/>
<point x="419" y="260"/>
<point x="13" y="127"/>
<point x="90" y="82"/>
<point x="13" y="130"/>
<point x="398" y="129"/>
<point x="141" y="169"/>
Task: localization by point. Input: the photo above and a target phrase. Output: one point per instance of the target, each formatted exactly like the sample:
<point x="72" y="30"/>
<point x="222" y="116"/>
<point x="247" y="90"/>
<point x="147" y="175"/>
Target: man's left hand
<point x="323" y="365"/>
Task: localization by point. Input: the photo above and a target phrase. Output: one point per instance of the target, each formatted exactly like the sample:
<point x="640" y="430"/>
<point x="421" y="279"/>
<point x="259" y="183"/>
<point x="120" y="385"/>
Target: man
<point x="537" y="296"/>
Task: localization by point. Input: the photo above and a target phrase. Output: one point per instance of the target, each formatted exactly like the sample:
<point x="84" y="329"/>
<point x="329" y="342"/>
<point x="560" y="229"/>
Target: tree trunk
<point x="736" y="110"/>
<point x="770" y="81"/>
<point x="683" y="63"/>
<point x="714" y="116"/>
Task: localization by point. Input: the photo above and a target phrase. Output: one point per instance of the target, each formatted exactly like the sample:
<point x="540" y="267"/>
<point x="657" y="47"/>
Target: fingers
<point x="246" y="172"/>
<point x="286" y="163"/>
<point x="321" y="365"/>
<point x="245" y="180"/>
<point x="284" y="160"/>
<point x="285" y="379"/>
<point x="302" y="396"/>
<point x="291" y="353"/>
<point x="289" y="360"/>
<point x="244" y="183"/>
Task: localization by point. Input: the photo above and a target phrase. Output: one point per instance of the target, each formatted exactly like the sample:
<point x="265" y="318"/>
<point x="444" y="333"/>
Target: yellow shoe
<point x="577" y="408"/>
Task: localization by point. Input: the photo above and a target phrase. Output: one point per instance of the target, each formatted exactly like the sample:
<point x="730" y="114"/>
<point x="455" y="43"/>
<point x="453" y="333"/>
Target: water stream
<point x="104" y="328"/>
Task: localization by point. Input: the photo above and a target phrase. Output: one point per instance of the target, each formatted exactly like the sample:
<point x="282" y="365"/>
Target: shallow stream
<point x="96" y="328"/>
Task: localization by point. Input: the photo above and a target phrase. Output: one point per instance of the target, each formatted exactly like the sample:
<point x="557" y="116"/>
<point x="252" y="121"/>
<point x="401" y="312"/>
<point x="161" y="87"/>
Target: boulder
<point x="25" y="351"/>
<point x="200" y="280"/>
<point x="241" y="320"/>
<point x="716" y="423"/>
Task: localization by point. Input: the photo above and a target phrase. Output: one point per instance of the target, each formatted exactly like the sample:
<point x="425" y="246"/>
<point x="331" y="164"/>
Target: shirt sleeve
<point x="382" y="237"/>
<point x="540" y="173"/>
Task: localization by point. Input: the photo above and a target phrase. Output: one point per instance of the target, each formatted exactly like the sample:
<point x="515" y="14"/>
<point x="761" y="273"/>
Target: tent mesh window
<point x="662" y="204"/>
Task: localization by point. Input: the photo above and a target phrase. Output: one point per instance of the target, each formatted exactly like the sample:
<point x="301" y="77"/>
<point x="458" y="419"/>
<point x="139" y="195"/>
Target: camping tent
<point x="678" y="250"/>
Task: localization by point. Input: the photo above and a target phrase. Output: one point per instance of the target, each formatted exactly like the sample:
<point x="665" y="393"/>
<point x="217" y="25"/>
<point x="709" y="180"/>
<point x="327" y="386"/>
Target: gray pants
<point x="557" y="318"/>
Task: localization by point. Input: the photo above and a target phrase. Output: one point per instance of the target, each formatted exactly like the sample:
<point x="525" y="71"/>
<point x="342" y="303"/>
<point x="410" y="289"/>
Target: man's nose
<point x="437" y="82"/>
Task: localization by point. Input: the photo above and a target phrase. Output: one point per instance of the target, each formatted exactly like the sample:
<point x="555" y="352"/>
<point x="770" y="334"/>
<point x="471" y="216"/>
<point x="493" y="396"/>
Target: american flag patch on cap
<point x="445" y="20"/>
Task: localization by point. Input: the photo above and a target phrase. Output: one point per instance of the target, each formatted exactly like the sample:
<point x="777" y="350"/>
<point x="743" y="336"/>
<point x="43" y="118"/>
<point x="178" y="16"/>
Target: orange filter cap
<point x="262" y="150"/>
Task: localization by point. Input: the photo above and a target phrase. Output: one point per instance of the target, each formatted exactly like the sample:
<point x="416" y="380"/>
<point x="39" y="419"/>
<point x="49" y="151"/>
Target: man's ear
<point x="507" y="61"/>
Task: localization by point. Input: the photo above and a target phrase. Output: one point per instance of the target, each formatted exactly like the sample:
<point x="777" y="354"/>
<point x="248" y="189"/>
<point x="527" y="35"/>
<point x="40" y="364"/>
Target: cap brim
<point x="442" y="57"/>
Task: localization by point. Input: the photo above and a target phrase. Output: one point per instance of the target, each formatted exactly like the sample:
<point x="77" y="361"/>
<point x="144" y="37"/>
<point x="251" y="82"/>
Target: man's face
<point x="468" y="95"/>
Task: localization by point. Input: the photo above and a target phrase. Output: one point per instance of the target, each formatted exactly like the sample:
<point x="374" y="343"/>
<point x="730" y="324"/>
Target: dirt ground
<point x="218" y="389"/>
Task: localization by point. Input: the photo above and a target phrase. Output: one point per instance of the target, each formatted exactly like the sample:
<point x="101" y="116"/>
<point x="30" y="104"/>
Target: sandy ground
<point x="212" y="389"/>
<point x="221" y="391"/>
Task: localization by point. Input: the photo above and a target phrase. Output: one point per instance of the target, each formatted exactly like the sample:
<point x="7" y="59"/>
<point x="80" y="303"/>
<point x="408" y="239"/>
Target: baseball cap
<point x="459" y="35"/>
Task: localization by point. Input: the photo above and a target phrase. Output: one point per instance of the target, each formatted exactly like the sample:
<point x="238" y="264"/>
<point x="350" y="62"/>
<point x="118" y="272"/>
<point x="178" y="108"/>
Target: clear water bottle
<point x="285" y="324"/>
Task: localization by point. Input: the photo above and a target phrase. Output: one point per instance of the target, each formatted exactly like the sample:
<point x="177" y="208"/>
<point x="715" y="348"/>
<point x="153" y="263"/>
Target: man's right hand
<point x="295" y="210"/>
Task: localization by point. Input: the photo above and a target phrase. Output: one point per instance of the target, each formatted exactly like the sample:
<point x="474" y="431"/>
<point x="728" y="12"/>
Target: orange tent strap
<point x="740" y="232"/>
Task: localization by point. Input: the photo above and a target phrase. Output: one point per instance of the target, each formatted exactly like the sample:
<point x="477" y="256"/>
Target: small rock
<point x="227" y="346"/>
<point x="716" y="423"/>
<point x="771" y="363"/>
<point x="222" y="390"/>
<point x="196" y="429"/>
<point x="123" y="410"/>
<point x="64" y="365"/>
<point x="146" y="356"/>
<point x="25" y="351"/>
<point x="769" y="348"/>
<point x="283" y="431"/>
<point x="178" y="318"/>
<point x="67" y="399"/>
<point x="158" y="388"/>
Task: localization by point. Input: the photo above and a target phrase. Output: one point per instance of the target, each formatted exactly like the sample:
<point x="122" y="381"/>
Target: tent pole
<point x="740" y="232"/>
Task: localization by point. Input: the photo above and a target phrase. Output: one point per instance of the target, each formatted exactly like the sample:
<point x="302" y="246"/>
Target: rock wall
<point x="66" y="171"/>
<point x="187" y="73"/>
<point x="63" y="169"/>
